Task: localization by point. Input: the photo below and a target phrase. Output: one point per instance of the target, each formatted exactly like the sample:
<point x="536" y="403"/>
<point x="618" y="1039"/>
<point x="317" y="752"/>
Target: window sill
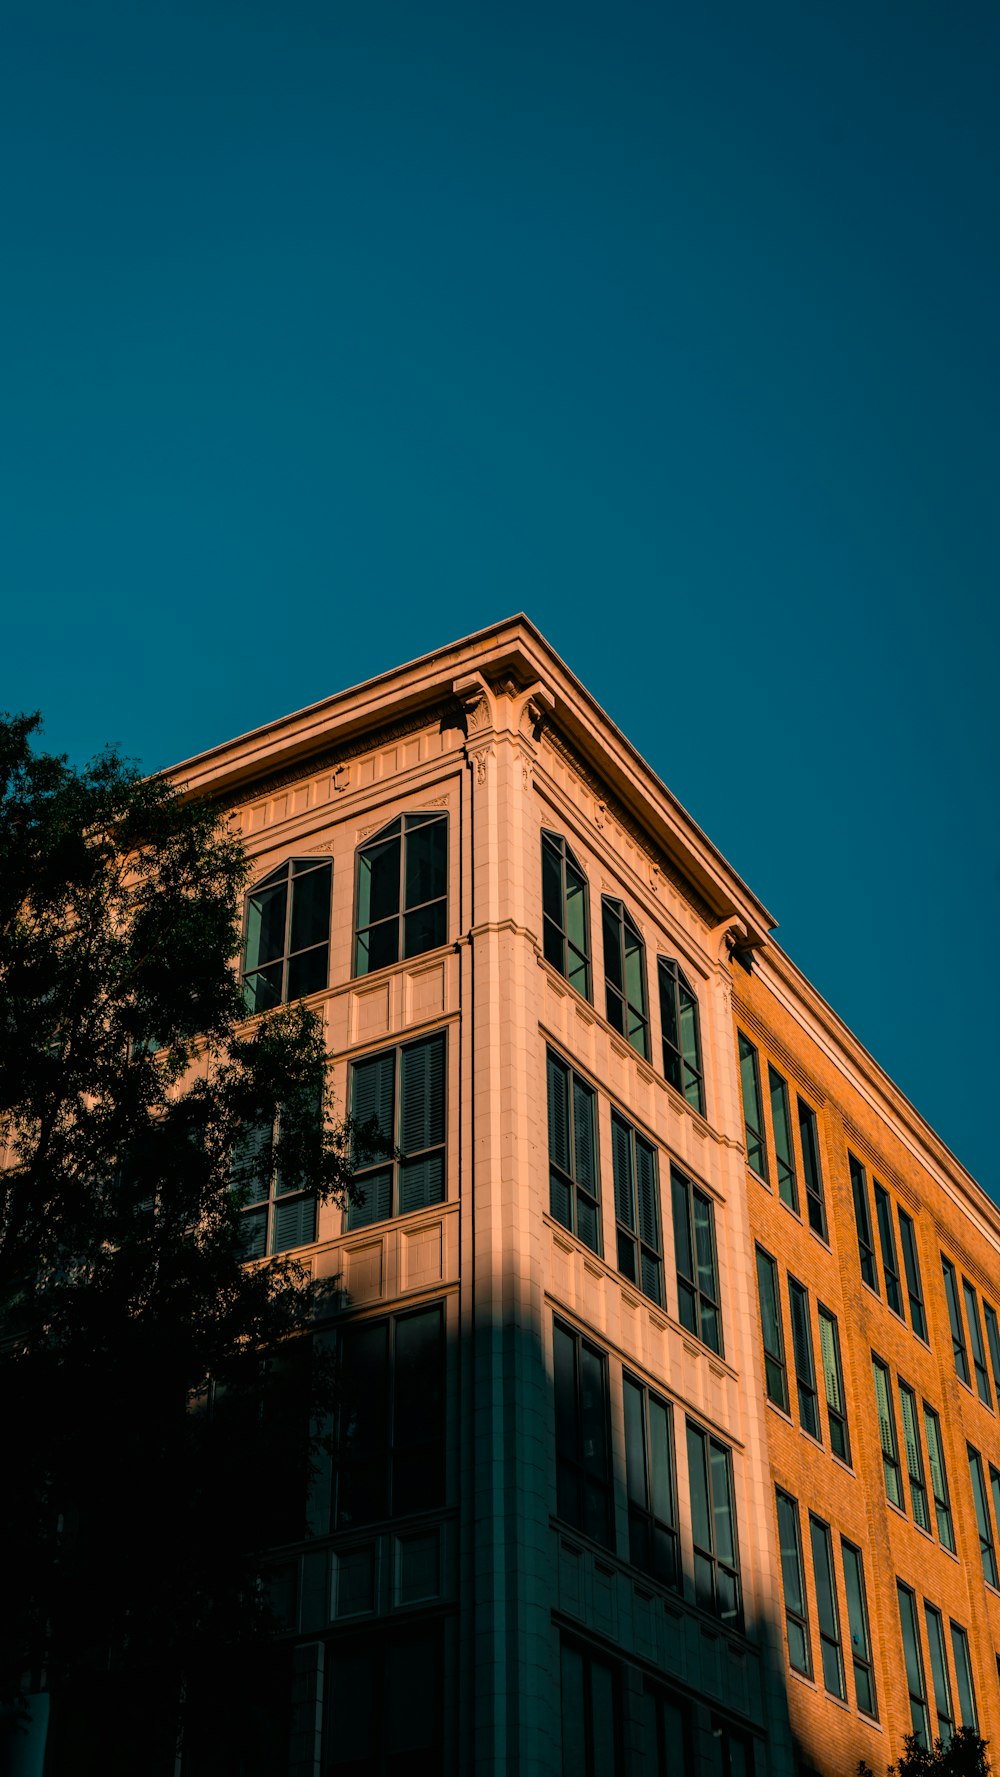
<point x="810" y="1438"/>
<point x="782" y="1413"/>
<point x="848" y="1467"/>
<point x="821" y="1240"/>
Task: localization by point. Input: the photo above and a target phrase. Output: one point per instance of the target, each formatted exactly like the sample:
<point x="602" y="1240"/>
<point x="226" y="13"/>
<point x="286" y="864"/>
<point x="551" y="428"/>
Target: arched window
<point x="287" y="946"/>
<point x="681" y="1036"/>
<point x="402" y="892"/>
<point x="625" y="975"/>
<point x="565" y="914"/>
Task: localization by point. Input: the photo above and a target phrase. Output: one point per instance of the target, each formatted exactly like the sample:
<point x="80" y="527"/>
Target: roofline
<point x="513" y="645"/>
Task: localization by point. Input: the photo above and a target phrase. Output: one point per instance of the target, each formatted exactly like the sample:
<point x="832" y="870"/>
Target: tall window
<point x="976" y="1341"/>
<point x="625" y="975"/>
<point x="811" y="1171"/>
<point x="267" y="1173"/>
<point x="694" y="1251"/>
<point x="963" y="1678"/>
<point x="939" y="1478"/>
<point x="649" y="1469"/>
<point x="775" y="1368"/>
<point x="583" y="1448"/>
<point x="713" y="1523"/>
<point x="987" y="1548"/>
<point x="805" y="1368"/>
<point x="939" y="1673"/>
<point x="863" y="1223"/>
<point x="914" y="1455"/>
<point x="637" y="1208"/>
<point x="664" y="1733"/>
<point x="826" y="1607"/>
<point x="911" y="1268"/>
<point x="887" y="1432"/>
<point x="565" y="914"/>
<point x="993" y="1340"/>
<point x="403" y="1089"/>
<point x="794" y="1585"/>
<point x="589" y="1709"/>
<point x="391" y="1442"/>
<point x="857" y="1621"/>
<point x="402" y="892"/>
<point x="386" y="1708"/>
<point x="919" y="1717"/>
<point x="887" y="1240"/>
<point x="781" y="1121"/>
<point x="955" y="1321"/>
<point x="681" y="1035"/>
<point x="287" y="947"/>
<point x="753" y="1107"/>
<point x="833" y="1379"/>
<point x="573" y="1152"/>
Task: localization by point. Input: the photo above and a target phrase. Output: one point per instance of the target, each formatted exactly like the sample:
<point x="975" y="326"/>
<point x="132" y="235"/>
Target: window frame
<point x="588" y="1657"/>
<point x="394" y="1447"/>
<point x="944" y="1708"/>
<point x="396" y="1156"/>
<point x="754" y="1133"/>
<point x="914" y="1664"/>
<point x="812" y="1169"/>
<point x="617" y="925"/>
<point x="887" y="1242"/>
<point x="258" y="1152"/>
<point x="776" y="1357"/>
<point x="781" y="1130"/>
<point x="936" y="1461"/>
<point x="291" y="872"/>
<point x="644" y="1484"/>
<point x="680" y="1059"/>
<point x="887" y="1424"/>
<point x="713" y="1511"/>
<point x="556" y="846"/>
<point x="796" y="1608"/>
<point x="827" y="1606"/>
<point x="913" y="1452"/>
<point x="693" y="1285"/>
<point x="976" y="1344"/>
<point x="911" y="1271"/>
<point x="993" y="1342"/>
<point x="959" y="1352"/>
<point x="570" y="1181"/>
<point x="588" y="1483"/>
<point x="863" y="1223"/>
<point x="962" y="1656"/>
<point x="836" y="1414"/>
<point x="984" y="1521"/>
<point x="647" y="1257"/>
<point x="411" y="821"/>
<point x="859" y="1628"/>
<point x="805" y="1375"/>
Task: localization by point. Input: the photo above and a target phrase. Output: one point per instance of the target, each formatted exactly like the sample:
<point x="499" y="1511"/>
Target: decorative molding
<point x="327" y="759"/>
<point x="341" y="778"/>
<point x="481" y="758"/>
<point x="473" y="697"/>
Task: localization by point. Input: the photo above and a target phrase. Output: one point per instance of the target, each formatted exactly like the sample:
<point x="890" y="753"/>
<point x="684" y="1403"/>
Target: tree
<point x="964" y="1755"/>
<point x="158" y="1392"/>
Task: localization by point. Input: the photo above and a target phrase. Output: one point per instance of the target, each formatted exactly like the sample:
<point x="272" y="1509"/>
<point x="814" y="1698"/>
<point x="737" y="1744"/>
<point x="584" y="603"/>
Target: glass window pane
<point x="377" y="948"/>
<point x="425" y="929"/>
<point x="426" y="862"/>
<point x="307" y="972"/>
<point x="311" y="907"/>
<point x="576" y="911"/>
<point x="378" y="881"/>
<point x="266" y="925"/>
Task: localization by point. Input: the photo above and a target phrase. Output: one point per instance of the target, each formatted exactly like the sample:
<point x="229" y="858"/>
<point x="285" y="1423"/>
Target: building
<point x="587" y="1518"/>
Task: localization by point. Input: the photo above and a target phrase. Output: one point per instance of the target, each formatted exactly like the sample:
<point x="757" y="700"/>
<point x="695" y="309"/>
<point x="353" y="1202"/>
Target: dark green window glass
<point x="565" y="914"/>
<point x="694" y="1250"/>
<point x="402" y="892"/>
<point x="887" y="1433"/>
<point x="637" y="1212"/>
<point x="833" y="1379"/>
<point x="963" y="1679"/>
<point x="811" y="1171"/>
<point x="713" y="1525"/>
<point x="914" y="1456"/>
<point x="802" y="1347"/>
<point x="391" y="1443"/>
<point x="775" y="1370"/>
<point x="286" y="950"/>
<point x="857" y="1622"/>
<point x="681" y="1034"/>
<point x="993" y="1340"/>
<point x="919" y="1718"/>
<point x="573" y="1199"/>
<point x="887" y="1240"/>
<point x="987" y="1548"/>
<point x="862" y="1220"/>
<point x="649" y="1469"/>
<point x="781" y="1122"/>
<point x="955" y="1320"/>
<point x="267" y="1171"/>
<point x="625" y="975"/>
<point x="403" y="1090"/>
<point x="911" y="1268"/>
<point x="588" y="1714"/>
<point x="753" y="1109"/>
<point x="793" y="1582"/>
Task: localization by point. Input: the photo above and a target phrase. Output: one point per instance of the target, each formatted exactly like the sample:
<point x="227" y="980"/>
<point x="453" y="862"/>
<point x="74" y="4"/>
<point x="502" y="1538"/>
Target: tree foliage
<point x="155" y="1387"/>
<point x="964" y="1755"/>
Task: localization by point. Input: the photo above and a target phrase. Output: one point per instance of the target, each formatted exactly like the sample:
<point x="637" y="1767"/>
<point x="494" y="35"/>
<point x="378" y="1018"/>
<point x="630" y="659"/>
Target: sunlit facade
<point x="580" y="1467"/>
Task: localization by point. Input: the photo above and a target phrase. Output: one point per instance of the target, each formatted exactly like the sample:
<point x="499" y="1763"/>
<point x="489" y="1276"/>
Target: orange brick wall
<point x="858" y="1110"/>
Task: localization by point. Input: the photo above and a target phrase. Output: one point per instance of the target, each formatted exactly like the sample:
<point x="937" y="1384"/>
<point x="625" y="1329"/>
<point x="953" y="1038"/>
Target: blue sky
<point x="333" y="332"/>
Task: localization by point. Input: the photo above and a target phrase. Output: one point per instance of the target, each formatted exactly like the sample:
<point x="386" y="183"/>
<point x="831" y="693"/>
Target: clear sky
<point x="331" y="332"/>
